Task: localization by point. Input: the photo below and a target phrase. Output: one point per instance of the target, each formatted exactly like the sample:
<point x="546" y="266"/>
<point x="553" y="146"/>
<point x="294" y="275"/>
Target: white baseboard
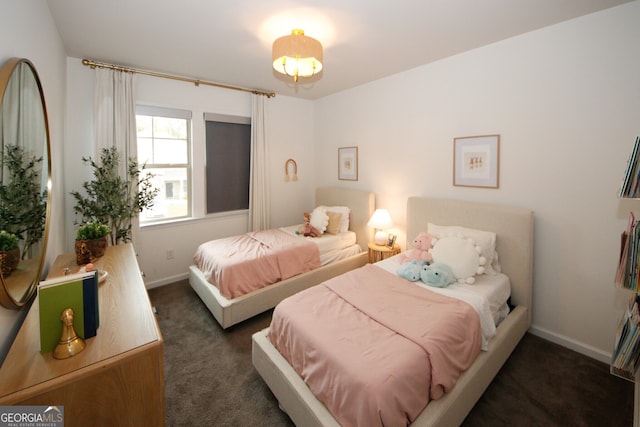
<point x="572" y="344"/>
<point x="166" y="281"/>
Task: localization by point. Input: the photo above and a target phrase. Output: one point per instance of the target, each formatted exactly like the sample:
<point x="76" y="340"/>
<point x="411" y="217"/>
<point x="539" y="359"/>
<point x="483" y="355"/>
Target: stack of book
<point x="631" y="184"/>
<point x="77" y="291"/>
<point x="626" y="351"/>
<point x="628" y="264"/>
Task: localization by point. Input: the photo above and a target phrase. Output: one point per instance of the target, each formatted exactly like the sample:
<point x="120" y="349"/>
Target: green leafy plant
<point x="111" y="199"/>
<point x="92" y="230"/>
<point x="23" y="206"/>
<point x="8" y="241"/>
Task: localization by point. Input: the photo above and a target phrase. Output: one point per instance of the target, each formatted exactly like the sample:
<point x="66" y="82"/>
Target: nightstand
<point x="380" y="252"/>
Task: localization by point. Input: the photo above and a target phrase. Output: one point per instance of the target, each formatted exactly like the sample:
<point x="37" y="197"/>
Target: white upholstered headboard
<point x="362" y="204"/>
<point x="512" y="225"/>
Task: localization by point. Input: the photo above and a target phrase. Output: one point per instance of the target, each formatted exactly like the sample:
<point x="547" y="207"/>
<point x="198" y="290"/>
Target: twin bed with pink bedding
<point x="370" y="348"/>
<point x="368" y="334"/>
<point x="247" y="262"/>
<point x="240" y="276"/>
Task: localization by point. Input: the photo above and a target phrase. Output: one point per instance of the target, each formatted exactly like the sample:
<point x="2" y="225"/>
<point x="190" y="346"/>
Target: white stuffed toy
<point x="462" y="255"/>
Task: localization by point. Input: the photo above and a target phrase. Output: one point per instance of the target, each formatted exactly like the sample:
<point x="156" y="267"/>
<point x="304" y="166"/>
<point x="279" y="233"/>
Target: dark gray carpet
<point x="209" y="378"/>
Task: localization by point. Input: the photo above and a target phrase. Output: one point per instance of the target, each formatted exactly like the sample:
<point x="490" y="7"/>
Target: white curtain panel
<point x="115" y="114"/>
<point x="115" y="120"/>
<point x="20" y="109"/>
<point x="259" y="208"/>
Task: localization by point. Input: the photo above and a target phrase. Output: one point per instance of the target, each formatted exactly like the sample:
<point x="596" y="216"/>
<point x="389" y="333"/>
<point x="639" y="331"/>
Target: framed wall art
<point x="348" y="163"/>
<point x="476" y="161"/>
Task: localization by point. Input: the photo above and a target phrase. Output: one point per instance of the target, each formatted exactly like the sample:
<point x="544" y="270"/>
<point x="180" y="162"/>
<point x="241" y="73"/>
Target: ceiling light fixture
<point x="297" y="55"/>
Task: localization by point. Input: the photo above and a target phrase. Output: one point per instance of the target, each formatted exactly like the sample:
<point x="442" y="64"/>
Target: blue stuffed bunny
<point x="438" y="275"/>
<point x="410" y="270"/>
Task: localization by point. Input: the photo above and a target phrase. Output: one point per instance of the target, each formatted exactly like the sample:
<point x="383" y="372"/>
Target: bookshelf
<point x="625" y="359"/>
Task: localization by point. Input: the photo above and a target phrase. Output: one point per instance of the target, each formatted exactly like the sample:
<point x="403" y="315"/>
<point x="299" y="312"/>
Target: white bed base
<point x="229" y="312"/>
<point x="514" y="227"/>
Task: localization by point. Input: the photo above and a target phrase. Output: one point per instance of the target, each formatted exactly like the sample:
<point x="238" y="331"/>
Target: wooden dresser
<point x="118" y="380"/>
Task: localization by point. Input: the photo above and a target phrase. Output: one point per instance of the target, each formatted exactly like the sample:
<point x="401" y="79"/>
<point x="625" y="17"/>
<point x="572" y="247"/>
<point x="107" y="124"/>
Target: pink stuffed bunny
<point x="420" y="251"/>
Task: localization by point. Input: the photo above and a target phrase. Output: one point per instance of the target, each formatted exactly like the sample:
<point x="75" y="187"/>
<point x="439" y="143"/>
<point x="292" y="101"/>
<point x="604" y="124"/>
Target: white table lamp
<point x="380" y="221"/>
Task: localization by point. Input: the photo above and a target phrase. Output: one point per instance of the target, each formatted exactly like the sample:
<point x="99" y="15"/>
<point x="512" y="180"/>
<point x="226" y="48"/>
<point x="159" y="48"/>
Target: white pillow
<point x="485" y="239"/>
<point x="345" y="211"/>
<point x="462" y="255"/>
<point x="319" y="219"/>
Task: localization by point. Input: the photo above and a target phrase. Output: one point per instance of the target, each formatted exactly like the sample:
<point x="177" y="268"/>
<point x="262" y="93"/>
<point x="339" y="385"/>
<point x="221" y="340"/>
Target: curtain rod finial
<point x="89" y="63"/>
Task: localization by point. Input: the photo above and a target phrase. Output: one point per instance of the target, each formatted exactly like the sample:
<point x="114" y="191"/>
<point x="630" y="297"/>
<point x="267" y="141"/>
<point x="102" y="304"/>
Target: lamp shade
<point x="380" y="220"/>
<point x="297" y="55"/>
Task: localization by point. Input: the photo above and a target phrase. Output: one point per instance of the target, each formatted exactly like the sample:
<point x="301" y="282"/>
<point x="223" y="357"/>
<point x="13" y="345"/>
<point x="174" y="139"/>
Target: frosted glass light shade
<point x="380" y="220"/>
<point x="380" y="238"/>
<point x="297" y="55"/>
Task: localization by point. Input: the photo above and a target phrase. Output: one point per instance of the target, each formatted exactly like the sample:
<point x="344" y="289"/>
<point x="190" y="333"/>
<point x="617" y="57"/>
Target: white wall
<point x="27" y="31"/>
<point x="565" y="101"/>
<point x="290" y="135"/>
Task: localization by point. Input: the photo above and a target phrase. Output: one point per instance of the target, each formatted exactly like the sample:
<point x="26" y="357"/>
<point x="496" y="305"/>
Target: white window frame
<point x="156" y="111"/>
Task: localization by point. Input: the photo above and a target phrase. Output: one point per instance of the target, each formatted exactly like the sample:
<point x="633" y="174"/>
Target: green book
<point x="54" y="296"/>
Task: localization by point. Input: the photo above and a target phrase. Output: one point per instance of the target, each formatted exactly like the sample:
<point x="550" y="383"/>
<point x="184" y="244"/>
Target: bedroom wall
<point x="565" y="101"/>
<point x="27" y="31"/>
<point x="290" y="135"/>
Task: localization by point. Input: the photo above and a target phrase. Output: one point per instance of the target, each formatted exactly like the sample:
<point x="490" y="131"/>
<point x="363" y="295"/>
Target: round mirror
<point x="25" y="182"/>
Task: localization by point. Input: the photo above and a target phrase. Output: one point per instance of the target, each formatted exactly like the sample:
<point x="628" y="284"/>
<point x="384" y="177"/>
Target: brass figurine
<point x="70" y="343"/>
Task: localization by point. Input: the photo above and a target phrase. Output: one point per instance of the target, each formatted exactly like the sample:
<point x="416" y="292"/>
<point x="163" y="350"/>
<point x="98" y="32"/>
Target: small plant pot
<point x="89" y="250"/>
<point x="9" y="261"/>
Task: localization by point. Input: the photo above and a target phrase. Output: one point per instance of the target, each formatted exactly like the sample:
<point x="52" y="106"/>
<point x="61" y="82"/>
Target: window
<point x="164" y="141"/>
<point x="228" y="161"/>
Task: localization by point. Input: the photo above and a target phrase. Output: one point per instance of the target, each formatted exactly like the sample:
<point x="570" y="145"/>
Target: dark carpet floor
<point x="210" y="381"/>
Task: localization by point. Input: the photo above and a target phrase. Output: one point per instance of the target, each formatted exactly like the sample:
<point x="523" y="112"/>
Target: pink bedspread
<point x="241" y="264"/>
<point x="375" y="348"/>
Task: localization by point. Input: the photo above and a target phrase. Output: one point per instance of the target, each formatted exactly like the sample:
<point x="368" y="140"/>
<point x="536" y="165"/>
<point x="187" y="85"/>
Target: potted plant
<point x="9" y="252"/>
<point x="91" y="241"/>
<point x="114" y="200"/>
